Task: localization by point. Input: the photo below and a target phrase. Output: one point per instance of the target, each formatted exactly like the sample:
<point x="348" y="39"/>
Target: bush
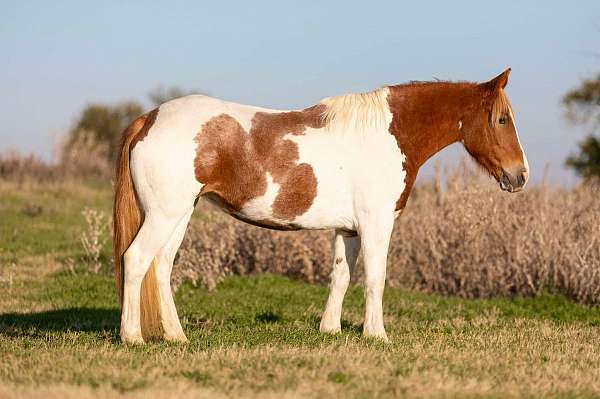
<point x="104" y="123"/>
<point x="84" y="156"/>
<point x="470" y="240"/>
<point x="16" y="167"/>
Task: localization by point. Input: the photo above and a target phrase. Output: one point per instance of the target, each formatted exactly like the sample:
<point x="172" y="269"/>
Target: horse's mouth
<point x="509" y="187"/>
<point x="510" y="183"/>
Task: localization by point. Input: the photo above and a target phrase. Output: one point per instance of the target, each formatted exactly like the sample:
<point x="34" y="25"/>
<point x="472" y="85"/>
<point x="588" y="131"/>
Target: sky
<point x="59" y="56"/>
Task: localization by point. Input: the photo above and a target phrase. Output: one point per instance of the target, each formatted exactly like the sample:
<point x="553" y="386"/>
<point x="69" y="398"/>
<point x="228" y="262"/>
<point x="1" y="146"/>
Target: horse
<point x="347" y="163"/>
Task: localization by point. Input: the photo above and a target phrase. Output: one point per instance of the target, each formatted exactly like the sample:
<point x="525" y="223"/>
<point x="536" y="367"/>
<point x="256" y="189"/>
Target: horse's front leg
<point x="345" y="254"/>
<point x="375" y="232"/>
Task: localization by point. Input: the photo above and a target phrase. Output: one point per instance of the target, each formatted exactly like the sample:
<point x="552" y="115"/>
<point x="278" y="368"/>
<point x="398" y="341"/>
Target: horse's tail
<point x="127" y="216"/>
<point x="127" y="220"/>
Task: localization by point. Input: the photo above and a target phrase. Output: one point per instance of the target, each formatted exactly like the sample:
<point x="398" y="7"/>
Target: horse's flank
<point x="247" y="162"/>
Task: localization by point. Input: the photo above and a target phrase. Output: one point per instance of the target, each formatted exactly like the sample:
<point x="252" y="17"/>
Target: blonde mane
<point x="360" y="111"/>
<point x="500" y="106"/>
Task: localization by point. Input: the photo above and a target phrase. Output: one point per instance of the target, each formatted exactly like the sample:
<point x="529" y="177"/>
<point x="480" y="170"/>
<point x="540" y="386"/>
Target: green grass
<point x="266" y="309"/>
<point x="56" y="224"/>
<point x="258" y="335"/>
<point x="262" y="332"/>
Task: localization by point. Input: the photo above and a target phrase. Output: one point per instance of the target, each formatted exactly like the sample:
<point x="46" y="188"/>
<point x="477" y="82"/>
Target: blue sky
<point x="59" y="56"/>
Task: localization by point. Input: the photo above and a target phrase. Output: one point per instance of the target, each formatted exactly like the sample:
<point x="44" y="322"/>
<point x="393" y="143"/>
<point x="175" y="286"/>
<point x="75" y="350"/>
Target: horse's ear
<point x="500" y="81"/>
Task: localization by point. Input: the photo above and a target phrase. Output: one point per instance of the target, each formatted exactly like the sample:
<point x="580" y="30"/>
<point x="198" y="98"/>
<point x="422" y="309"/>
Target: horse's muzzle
<point x="513" y="181"/>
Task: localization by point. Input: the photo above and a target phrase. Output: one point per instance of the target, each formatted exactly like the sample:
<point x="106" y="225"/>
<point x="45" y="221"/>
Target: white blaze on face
<point x="525" y="161"/>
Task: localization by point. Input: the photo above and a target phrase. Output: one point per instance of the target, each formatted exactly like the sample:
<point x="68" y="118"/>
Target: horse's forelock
<point x="500" y="106"/>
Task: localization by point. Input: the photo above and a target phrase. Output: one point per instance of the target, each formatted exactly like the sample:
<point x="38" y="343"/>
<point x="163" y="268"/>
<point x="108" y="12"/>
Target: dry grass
<point x="84" y="157"/>
<point x="469" y="239"/>
<point x="244" y="249"/>
<point x="475" y="241"/>
<point x="357" y="372"/>
<point x="16" y="167"/>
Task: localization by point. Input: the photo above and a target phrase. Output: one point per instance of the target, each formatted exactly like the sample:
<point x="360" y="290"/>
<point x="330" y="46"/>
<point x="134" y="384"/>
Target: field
<point x="256" y="334"/>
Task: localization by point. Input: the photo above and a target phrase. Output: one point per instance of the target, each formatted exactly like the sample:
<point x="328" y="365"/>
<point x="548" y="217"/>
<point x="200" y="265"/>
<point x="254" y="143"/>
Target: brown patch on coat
<point x="296" y="193"/>
<point x="338" y="260"/>
<point x="225" y="164"/>
<point x="425" y="119"/>
<point x="233" y="164"/>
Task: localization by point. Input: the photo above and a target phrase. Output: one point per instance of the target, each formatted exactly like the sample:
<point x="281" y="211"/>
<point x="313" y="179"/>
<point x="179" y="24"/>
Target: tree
<point x="104" y="123"/>
<point x="99" y="126"/>
<point x="162" y="95"/>
<point x="583" y="107"/>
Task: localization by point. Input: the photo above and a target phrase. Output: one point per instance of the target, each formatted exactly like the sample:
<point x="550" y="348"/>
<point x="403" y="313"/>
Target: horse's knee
<point x="135" y="266"/>
<point x="340" y="276"/>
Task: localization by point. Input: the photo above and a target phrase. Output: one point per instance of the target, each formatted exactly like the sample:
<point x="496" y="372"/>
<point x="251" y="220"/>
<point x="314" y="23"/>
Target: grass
<point x="260" y="334"/>
<point x="257" y="336"/>
<point x="37" y="221"/>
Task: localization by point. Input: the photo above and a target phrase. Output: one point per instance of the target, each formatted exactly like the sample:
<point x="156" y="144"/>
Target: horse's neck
<point x="427" y="118"/>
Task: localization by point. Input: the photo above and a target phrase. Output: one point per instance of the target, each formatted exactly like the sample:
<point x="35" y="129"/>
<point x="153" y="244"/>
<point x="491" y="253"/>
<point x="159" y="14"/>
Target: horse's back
<point x="183" y="117"/>
<point x="172" y="139"/>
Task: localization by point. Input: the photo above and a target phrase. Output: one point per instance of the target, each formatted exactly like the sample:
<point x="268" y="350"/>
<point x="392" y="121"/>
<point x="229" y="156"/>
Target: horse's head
<point x="490" y="135"/>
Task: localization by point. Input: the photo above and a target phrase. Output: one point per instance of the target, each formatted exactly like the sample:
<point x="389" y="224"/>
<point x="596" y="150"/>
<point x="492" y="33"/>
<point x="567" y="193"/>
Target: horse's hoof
<point x="330" y="328"/>
<point x="382" y="336"/>
<point x="132" y="339"/>
<point x="178" y="338"/>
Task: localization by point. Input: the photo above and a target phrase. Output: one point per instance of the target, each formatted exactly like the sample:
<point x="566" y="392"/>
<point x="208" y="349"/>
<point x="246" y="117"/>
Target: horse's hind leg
<point x="152" y="236"/>
<point x="168" y="312"/>
<point x="345" y="254"/>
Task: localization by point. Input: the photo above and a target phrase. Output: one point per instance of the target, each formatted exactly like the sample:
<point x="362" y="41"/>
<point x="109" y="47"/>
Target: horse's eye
<point x="502" y="120"/>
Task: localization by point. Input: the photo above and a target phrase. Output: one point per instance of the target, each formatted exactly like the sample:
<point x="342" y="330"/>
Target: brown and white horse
<point x="347" y="163"/>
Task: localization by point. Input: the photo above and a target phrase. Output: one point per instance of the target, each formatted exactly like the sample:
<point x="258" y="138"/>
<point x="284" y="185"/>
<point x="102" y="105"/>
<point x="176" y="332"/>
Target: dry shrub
<point x="93" y="238"/>
<point x="218" y="245"/>
<point x="17" y="167"/>
<point x="474" y="241"/>
<point x="469" y="239"/>
<point x="84" y="156"/>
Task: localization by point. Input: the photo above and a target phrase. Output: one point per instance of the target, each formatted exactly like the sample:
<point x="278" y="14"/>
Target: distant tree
<point x="161" y="95"/>
<point x="583" y="107"/>
<point x="104" y="123"/>
<point x="99" y="126"/>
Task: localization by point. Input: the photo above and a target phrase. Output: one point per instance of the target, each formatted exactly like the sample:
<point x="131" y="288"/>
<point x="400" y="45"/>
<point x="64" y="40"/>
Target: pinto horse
<point x="347" y="163"/>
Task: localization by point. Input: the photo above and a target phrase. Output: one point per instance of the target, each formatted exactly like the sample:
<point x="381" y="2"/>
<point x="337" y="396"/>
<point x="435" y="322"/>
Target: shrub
<point x="469" y="239"/>
<point x="93" y="238"/>
<point x="83" y="156"/>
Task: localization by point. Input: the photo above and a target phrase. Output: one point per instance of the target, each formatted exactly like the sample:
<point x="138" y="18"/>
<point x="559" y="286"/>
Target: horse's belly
<point x="330" y="208"/>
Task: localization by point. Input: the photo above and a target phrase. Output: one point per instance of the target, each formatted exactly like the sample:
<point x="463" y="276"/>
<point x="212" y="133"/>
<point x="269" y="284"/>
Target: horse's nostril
<point x="523" y="177"/>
